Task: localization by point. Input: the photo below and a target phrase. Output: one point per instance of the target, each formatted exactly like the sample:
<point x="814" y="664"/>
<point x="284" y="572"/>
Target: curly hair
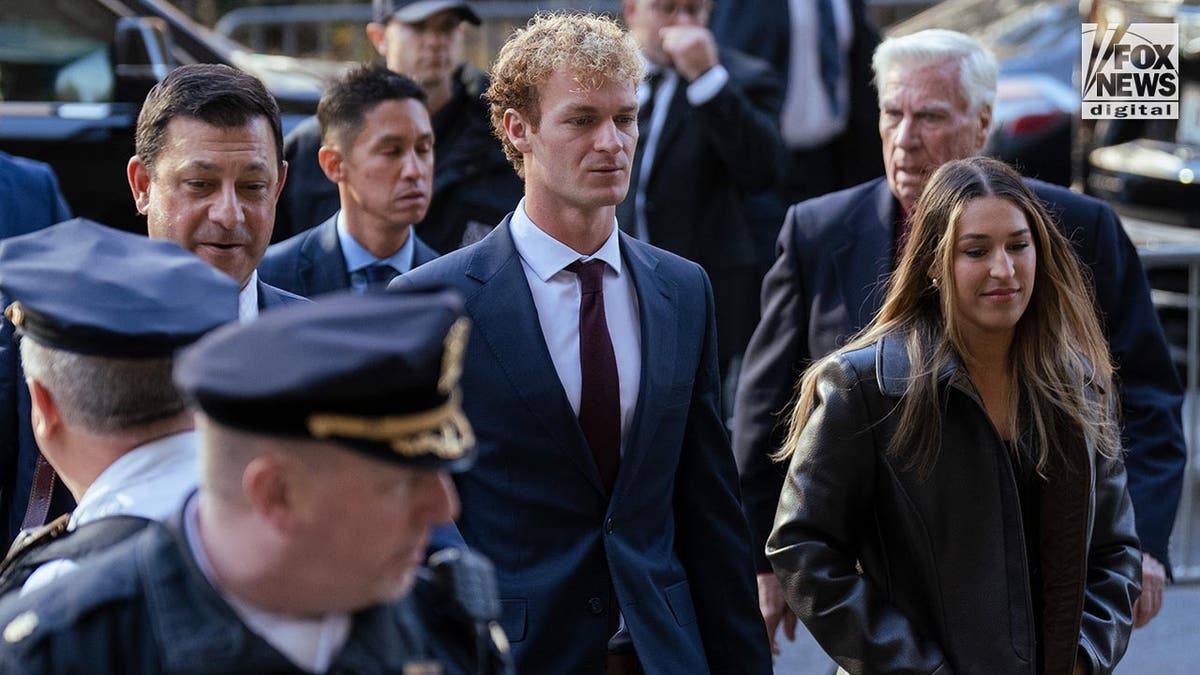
<point x="594" y="48"/>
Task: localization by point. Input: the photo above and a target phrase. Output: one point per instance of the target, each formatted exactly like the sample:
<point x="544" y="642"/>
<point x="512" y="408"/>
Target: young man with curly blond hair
<point x="605" y="491"/>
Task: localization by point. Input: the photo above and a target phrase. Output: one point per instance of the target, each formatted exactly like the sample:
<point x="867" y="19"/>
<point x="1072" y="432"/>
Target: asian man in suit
<point x="605" y="491"/>
<point x="378" y="149"/>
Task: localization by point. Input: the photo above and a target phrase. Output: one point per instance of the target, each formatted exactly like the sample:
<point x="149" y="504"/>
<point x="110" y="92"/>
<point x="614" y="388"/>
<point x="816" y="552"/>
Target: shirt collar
<point x="547" y="256"/>
<point x="357" y="258"/>
<point x="248" y="299"/>
<point x="144" y="464"/>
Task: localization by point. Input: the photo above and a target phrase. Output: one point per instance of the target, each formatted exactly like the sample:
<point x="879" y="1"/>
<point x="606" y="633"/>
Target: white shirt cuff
<point x="708" y="85"/>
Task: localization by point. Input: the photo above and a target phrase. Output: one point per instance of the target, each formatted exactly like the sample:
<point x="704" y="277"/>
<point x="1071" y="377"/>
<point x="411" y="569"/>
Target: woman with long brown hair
<point x="955" y="499"/>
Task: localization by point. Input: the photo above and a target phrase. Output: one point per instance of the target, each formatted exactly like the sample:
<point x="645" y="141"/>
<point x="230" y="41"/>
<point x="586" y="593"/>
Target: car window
<point x="56" y="50"/>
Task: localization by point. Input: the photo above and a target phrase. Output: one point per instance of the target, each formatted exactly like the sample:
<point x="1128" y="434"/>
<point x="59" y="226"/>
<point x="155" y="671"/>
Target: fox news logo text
<point x="1131" y="72"/>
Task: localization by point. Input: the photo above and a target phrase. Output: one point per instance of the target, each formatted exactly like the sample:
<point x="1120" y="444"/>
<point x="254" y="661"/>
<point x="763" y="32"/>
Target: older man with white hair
<point x="936" y="89"/>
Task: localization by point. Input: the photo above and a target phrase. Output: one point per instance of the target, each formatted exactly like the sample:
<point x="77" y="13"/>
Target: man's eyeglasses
<point x="694" y="10"/>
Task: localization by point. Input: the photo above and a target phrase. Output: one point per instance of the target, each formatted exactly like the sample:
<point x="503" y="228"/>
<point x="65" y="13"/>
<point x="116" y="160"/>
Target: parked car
<point x="1150" y="169"/>
<point x="74" y="72"/>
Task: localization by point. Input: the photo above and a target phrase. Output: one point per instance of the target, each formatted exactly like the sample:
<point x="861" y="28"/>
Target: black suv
<point x="73" y="73"/>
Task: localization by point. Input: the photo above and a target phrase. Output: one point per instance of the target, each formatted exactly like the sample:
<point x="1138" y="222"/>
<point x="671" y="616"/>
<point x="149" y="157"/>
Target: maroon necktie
<point x="600" y="394"/>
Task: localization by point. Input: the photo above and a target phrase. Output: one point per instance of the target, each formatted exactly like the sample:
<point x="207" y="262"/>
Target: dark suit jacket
<point x="766" y="32"/>
<point x="672" y="538"/>
<point x="311" y="263"/>
<point x="828" y="282"/>
<point x="708" y="158"/>
<point x="30" y="200"/>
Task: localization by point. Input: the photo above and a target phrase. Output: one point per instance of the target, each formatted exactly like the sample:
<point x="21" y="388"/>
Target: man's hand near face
<point x="692" y="49"/>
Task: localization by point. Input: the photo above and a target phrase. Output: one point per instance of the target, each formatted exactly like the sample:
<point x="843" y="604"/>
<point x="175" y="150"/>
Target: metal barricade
<point x="1163" y="247"/>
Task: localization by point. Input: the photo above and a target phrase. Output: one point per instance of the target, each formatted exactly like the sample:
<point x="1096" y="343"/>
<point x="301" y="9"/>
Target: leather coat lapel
<point x="657" y="315"/>
<point x="864" y="259"/>
<point x="505" y="317"/>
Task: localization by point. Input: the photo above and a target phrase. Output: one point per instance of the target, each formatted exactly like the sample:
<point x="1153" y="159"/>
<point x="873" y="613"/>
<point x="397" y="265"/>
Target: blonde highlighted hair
<point x="1061" y="367"/>
<point x="592" y="48"/>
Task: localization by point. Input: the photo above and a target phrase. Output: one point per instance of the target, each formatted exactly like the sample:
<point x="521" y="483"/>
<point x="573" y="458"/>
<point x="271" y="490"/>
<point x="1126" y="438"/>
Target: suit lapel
<point x="864" y="259"/>
<point x="322" y="263"/>
<point x="671" y="127"/>
<point x="657" y="316"/>
<point x="506" y="318"/>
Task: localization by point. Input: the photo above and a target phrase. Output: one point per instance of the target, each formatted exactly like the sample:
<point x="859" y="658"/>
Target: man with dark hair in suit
<point x="207" y="172"/>
<point x="473" y="187"/>
<point x="377" y="146"/>
<point x="709" y="125"/>
<point x="936" y="89"/>
<point x="605" y="492"/>
<point x="208" y="169"/>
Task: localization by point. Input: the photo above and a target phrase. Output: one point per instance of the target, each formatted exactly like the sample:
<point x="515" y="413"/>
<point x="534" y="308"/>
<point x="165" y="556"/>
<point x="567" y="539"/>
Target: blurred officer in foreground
<point x="326" y="434"/>
<point x="105" y="412"/>
<point x="378" y="149"/>
<point x="473" y="185"/>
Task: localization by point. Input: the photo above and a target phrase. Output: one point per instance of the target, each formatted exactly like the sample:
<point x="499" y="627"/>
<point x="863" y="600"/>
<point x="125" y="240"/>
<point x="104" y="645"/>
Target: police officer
<point x="101" y="313"/>
<point x="326" y="434"/>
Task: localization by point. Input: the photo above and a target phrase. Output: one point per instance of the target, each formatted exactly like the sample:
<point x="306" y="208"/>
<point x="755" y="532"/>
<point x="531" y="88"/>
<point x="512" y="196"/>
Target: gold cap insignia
<point x="452" y="355"/>
<point x="15" y="314"/>
<point x="422" y="668"/>
<point x="21" y="627"/>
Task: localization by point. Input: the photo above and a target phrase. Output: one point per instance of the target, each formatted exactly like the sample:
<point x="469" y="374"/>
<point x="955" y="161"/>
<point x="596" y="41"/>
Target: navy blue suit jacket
<point x="30" y="200"/>
<point x="672" y="538"/>
<point x="29" y="197"/>
<point x="828" y="282"/>
<point x="311" y="263"/>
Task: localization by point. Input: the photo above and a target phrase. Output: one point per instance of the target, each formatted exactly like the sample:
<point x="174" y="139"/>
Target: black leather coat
<point x="893" y="574"/>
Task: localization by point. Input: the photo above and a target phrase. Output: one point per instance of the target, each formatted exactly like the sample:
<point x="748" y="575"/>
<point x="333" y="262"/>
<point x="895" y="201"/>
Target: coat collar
<point x="862" y="250"/>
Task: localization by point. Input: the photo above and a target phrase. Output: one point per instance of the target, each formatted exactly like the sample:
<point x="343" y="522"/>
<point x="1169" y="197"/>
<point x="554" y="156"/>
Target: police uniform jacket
<point x="894" y="574"/>
<point x="148" y="608"/>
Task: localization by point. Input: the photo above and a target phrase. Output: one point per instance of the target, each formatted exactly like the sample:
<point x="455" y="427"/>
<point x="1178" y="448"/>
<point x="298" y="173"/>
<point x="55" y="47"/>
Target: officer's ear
<point x="266" y="488"/>
<point x="44" y="414"/>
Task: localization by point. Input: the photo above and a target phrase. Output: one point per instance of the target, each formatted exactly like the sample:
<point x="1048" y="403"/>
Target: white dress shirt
<point x="150" y="481"/>
<point x="807" y="119"/>
<point x="310" y="644"/>
<point x="556" y="294"/>
<point x="248" y="299"/>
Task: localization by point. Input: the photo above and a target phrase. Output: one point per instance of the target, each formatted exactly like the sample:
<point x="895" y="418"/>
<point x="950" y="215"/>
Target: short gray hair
<point x="976" y="66"/>
<point x="101" y="394"/>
